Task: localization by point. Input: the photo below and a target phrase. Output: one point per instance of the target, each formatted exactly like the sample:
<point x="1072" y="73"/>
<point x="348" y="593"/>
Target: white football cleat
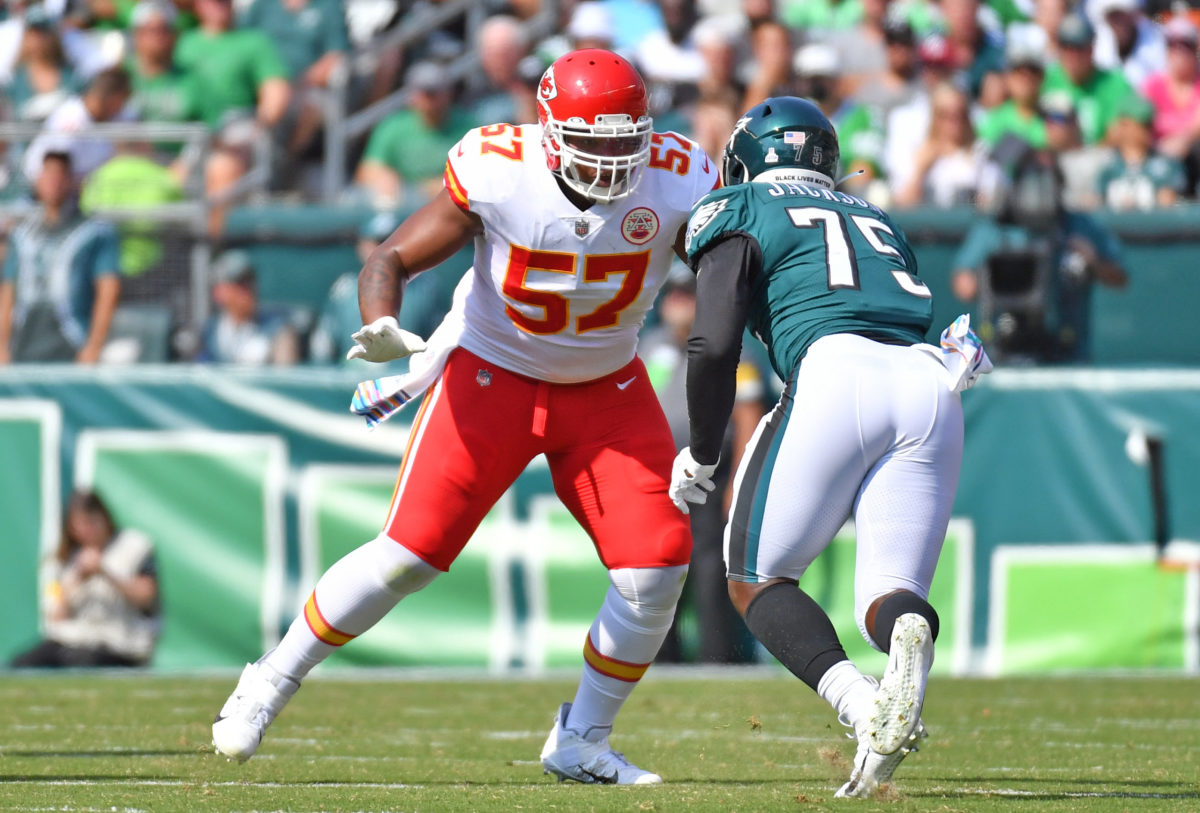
<point x="901" y="693"/>
<point x="567" y="755"/>
<point x="872" y="769"/>
<point x="260" y="695"/>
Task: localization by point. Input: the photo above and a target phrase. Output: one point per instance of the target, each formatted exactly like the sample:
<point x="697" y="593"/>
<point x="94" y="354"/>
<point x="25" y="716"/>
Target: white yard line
<point x="190" y="783"/>
<point x="1065" y="794"/>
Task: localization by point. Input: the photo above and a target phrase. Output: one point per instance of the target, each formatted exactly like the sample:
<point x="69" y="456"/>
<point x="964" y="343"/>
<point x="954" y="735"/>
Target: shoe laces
<point x="253" y="698"/>
<point x="249" y="708"/>
<point x="609" y="756"/>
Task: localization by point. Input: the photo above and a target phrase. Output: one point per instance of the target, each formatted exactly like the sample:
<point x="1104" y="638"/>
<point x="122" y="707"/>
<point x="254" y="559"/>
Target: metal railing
<point x="189" y="216"/>
<point x="195" y="138"/>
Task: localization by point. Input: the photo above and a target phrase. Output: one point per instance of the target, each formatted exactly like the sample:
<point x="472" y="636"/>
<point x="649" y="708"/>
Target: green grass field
<point x="756" y="740"/>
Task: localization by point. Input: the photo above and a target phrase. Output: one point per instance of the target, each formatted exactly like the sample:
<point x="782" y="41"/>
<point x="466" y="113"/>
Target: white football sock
<point x="353" y="595"/>
<point x="623" y="641"/>
<point x="845" y="688"/>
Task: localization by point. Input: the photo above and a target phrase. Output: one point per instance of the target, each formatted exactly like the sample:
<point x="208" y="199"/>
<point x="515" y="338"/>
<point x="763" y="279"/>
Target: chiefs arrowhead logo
<point x="548" y="88"/>
<point x="640" y="226"/>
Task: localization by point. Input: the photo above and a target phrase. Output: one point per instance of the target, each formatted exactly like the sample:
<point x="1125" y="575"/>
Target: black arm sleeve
<point x="724" y="277"/>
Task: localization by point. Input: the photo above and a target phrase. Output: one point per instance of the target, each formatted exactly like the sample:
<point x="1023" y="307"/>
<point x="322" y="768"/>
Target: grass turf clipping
<point x="756" y="740"/>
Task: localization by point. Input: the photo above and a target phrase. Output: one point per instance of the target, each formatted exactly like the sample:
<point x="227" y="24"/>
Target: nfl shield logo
<point x="582" y="227"/>
<point x="483" y="378"/>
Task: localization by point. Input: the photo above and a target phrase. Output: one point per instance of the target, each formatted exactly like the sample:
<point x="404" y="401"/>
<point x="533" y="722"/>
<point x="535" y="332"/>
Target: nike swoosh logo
<point x="623" y="384"/>
<point x="706" y="164"/>
<point x="599" y="778"/>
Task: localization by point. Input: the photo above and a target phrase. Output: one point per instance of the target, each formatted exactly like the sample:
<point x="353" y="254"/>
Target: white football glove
<point x="690" y="481"/>
<point x="384" y="340"/>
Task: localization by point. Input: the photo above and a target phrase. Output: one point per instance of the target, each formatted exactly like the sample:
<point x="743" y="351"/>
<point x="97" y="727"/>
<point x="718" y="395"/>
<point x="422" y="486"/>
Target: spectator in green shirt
<point x="162" y="92"/>
<point x="822" y="15"/>
<point x="1138" y="177"/>
<point x="1020" y="115"/>
<point x="406" y="153"/>
<point x="237" y="71"/>
<point x="1095" y="94"/>
<point x="243" y="89"/>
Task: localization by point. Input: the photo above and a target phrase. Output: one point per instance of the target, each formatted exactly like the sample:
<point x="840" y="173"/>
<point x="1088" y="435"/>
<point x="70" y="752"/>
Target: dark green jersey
<point x="831" y="263"/>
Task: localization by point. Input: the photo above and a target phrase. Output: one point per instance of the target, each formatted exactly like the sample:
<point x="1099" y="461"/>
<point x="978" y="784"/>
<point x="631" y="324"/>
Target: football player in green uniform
<point x="869" y="425"/>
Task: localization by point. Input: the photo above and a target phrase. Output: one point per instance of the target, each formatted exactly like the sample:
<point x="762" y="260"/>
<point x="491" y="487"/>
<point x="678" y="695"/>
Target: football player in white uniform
<point x="574" y="221"/>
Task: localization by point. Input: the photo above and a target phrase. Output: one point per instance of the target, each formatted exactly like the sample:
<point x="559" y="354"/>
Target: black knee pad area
<point x="896" y="605"/>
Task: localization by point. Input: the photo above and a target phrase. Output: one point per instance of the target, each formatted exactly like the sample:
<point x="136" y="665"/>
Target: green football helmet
<point x="785" y="136"/>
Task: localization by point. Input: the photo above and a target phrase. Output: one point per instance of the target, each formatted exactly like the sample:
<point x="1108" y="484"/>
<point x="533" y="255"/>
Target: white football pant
<point x="864" y="429"/>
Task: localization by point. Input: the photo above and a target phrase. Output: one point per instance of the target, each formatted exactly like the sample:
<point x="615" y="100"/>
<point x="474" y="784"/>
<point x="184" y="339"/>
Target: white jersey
<point x="559" y="294"/>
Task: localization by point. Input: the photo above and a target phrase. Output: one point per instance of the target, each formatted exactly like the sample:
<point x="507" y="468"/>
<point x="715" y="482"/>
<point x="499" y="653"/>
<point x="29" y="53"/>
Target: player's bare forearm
<point x="430" y="236"/>
<point x="380" y="285"/>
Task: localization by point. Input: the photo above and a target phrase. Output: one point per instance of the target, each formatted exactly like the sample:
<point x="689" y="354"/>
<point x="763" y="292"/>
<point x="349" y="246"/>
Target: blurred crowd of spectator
<point x="928" y="97"/>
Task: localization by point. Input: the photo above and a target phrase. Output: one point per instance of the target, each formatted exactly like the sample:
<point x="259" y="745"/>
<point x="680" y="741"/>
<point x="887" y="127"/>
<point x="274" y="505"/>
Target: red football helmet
<point x="592" y="106"/>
